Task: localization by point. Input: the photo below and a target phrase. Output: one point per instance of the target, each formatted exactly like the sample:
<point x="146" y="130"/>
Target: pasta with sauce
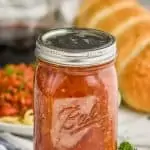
<point x="27" y="119"/>
<point x="16" y="94"/>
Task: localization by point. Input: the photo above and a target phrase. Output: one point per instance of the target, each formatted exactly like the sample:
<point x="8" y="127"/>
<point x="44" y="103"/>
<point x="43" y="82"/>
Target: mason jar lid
<point x="76" y="47"/>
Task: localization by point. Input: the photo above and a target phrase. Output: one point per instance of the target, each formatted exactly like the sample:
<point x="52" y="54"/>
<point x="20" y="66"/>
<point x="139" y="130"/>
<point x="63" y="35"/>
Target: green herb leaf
<point x="8" y="91"/>
<point x="21" y="87"/>
<point x="20" y="73"/>
<point x="34" y="65"/>
<point x="9" y="70"/>
<point x="126" y="146"/>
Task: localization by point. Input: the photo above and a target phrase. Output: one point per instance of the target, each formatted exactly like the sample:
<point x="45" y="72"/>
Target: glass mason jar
<point x="75" y="91"/>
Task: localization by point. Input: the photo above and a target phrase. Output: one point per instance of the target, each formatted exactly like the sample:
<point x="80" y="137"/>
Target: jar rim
<point x="79" y="55"/>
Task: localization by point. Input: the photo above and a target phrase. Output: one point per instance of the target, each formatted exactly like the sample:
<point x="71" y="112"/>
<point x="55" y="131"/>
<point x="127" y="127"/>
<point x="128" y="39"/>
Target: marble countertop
<point x="134" y="127"/>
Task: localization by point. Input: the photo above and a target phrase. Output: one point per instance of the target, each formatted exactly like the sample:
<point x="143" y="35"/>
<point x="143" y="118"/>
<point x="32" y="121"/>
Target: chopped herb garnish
<point x="8" y="91"/>
<point x="126" y="146"/>
<point x="9" y="70"/>
<point x="20" y="73"/>
<point x="21" y="87"/>
<point x="33" y="65"/>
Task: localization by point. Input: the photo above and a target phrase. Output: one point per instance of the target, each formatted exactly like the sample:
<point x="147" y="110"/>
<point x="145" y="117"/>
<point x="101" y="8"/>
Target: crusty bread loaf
<point x="129" y="22"/>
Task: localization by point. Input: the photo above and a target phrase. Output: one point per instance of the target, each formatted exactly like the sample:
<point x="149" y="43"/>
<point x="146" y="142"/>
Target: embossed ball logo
<point x="72" y="118"/>
<point x="76" y="121"/>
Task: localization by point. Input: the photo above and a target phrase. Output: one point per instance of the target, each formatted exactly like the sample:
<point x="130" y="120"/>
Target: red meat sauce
<point x="76" y="108"/>
<point x="16" y="89"/>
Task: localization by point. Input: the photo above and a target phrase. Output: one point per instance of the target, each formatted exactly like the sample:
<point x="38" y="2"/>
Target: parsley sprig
<point x="126" y="146"/>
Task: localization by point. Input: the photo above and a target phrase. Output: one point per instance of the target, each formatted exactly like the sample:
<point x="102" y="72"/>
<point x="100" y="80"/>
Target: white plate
<point x="23" y="130"/>
<point x="18" y="129"/>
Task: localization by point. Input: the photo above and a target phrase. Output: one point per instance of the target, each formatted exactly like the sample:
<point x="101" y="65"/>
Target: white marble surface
<point x="134" y="127"/>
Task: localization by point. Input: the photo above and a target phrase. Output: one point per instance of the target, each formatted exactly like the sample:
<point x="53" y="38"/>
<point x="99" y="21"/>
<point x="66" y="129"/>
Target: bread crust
<point x="90" y="7"/>
<point x="129" y="22"/>
<point x="134" y="81"/>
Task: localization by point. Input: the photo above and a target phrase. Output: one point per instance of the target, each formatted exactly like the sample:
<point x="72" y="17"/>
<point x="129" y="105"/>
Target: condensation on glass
<point x="75" y="91"/>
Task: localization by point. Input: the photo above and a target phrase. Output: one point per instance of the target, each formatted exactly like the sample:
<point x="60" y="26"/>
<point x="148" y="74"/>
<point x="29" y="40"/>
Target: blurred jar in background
<point x="20" y="23"/>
